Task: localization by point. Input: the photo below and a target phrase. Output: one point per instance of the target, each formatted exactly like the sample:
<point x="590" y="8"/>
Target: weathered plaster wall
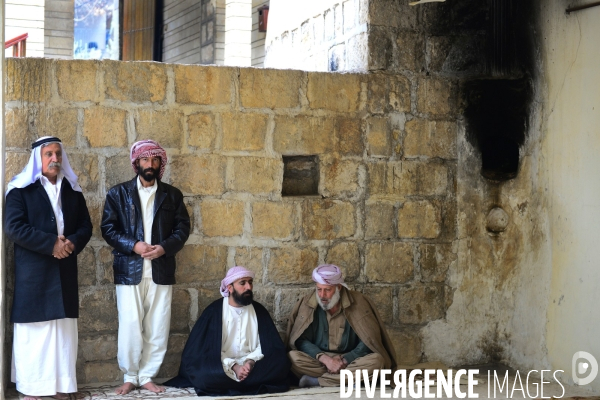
<point x="386" y="210"/>
<point x="571" y="146"/>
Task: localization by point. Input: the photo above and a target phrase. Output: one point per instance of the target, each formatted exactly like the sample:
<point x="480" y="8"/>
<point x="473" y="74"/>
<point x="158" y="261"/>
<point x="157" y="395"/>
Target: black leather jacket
<point x="122" y="227"/>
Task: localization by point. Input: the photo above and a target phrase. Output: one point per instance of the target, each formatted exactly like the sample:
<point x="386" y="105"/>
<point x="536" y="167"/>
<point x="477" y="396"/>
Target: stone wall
<point x="386" y="209"/>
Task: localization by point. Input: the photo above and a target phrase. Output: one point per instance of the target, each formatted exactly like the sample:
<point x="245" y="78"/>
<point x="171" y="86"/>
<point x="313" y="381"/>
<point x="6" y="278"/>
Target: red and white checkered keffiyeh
<point x="148" y="148"/>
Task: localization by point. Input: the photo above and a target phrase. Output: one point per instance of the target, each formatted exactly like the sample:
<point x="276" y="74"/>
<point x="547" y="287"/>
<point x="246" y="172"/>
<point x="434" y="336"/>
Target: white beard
<point x="332" y="303"/>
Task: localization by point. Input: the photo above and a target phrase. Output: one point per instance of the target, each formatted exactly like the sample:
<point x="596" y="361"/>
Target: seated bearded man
<point x="334" y="329"/>
<point x="234" y="348"/>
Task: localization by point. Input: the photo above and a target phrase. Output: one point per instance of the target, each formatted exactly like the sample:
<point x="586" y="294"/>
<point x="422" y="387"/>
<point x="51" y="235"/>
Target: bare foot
<point x="125" y="388"/>
<point x="151" y="386"/>
<point x="31" y="398"/>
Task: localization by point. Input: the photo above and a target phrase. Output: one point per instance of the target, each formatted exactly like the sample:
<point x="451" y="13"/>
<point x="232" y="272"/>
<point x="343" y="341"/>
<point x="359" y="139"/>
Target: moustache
<point x="54" y="164"/>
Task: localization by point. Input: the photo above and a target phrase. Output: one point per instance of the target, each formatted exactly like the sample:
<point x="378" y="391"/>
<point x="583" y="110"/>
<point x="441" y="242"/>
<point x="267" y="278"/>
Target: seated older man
<point x="234" y="348"/>
<point x="334" y="329"/>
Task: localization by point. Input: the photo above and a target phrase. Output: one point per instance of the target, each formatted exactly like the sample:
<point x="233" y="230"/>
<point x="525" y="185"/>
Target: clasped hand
<point x="148" y="251"/>
<point x="242" y="371"/>
<point x="63" y="247"/>
<point x="333" y="364"/>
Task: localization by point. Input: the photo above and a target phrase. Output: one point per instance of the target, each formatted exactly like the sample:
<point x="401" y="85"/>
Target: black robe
<point x="201" y="359"/>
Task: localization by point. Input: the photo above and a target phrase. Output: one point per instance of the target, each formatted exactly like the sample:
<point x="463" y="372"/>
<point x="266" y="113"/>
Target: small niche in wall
<point x="300" y="176"/>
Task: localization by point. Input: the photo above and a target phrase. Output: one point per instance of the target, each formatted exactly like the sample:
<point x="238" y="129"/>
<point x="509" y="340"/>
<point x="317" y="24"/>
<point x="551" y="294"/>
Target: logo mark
<point x="581" y="367"/>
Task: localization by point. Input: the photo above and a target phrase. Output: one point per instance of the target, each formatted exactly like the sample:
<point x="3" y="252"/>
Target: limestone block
<point x="14" y="164"/>
<point x="165" y="127"/>
<point x="411" y="51"/>
<point x="176" y="343"/>
<point x="18" y="133"/>
<point x="288" y="299"/>
<point x="349" y="135"/>
<point x="346" y="256"/>
<point x="419" y="219"/>
<point x="76" y="80"/>
<point x="137" y="82"/>
<point x="102" y="372"/>
<point x="244" y="131"/>
<point x="399" y="94"/>
<point x="384" y="302"/>
<point x="105" y="127"/>
<point x="95" y="207"/>
<point x="339" y="177"/>
<point x="204" y="175"/>
<point x="97" y="347"/>
<point x="180" y="310"/>
<point x="222" y="217"/>
<point x="381" y="49"/>
<point x="379" y="142"/>
<point x="407" y="344"/>
<point x="392" y="14"/>
<point x="436" y="96"/>
<point x="388" y="93"/>
<point x="335" y="92"/>
<point x="28" y="79"/>
<point x="200" y="263"/>
<point x="98" y="311"/>
<point x="421" y="178"/>
<point x="328" y="219"/>
<point x="381" y="178"/>
<point x="251" y="258"/>
<point x="357" y="58"/>
<point x="118" y="169"/>
<point x="203" y="85"/>
<point x="435" y="261"/>
<point x="86" y="267"/>
<point x="265" y="296"/>
<point x="438" y="48"/>
<point x="256" y="175"/>
<point x="303" y="135"/>
<point x="86" y="168"/>
<point x="105" y="259"/>
<point x="390" y="262"/>
<point x="273" y="220"/>
<point x="207" y="296"/>
<point x="60" y="122"/>
<point x="289" y="264"/>
<point x="421" y="304"/>
<point x="202" y="129"/>
<point x="380" y="220"/>
<point x="431" y="139"/>
<point x="265" y="88"/>
<point x="190" y="203"/>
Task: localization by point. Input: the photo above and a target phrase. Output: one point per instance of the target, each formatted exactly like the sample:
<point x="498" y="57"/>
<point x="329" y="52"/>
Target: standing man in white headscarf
<point x="336" y="328"/>
<point x="48" y="220"/>
<point x="146" y="222"/>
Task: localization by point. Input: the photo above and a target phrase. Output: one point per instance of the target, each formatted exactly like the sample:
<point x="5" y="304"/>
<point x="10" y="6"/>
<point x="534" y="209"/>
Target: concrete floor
<point x="551" y="390"/>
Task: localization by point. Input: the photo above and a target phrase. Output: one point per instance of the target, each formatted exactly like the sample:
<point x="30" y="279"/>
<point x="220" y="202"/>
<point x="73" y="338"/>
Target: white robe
<point x="45" y="353"/>
<point x="240" y="340"/>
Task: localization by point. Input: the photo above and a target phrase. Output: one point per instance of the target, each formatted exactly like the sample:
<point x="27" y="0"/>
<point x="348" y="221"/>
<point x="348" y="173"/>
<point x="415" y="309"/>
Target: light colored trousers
<point x="303" y="364"/>
<point x="144" y="322"/>
<point x="44" y="357"/>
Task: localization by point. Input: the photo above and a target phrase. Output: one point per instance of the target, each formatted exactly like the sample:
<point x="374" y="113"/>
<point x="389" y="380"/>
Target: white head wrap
<point x="33" y="169"/>
<point x="233" y="275"/>
<point x="328" y="274"/>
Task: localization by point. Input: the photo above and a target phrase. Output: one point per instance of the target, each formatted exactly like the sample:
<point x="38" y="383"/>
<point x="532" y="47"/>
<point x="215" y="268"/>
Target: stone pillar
<point x="3" y="307"/>
<point x="238" y="32"/>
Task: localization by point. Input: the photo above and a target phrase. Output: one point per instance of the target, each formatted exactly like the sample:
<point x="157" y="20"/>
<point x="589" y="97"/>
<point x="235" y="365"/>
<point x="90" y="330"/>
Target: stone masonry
<point x="386" y="209"/>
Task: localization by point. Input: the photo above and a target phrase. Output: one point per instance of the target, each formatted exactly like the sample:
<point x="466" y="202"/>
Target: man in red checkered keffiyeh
<point x="148" y="148"/>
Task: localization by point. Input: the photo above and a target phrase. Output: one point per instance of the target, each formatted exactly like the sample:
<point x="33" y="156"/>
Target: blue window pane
<point x="96" y="29"/>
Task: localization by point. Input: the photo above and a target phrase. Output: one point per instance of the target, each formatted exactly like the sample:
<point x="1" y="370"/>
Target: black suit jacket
<point x="45" y="287"/>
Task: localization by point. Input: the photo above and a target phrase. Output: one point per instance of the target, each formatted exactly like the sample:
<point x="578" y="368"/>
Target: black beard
<point x="244" y="299"/>
<point x="149" y="174"/>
